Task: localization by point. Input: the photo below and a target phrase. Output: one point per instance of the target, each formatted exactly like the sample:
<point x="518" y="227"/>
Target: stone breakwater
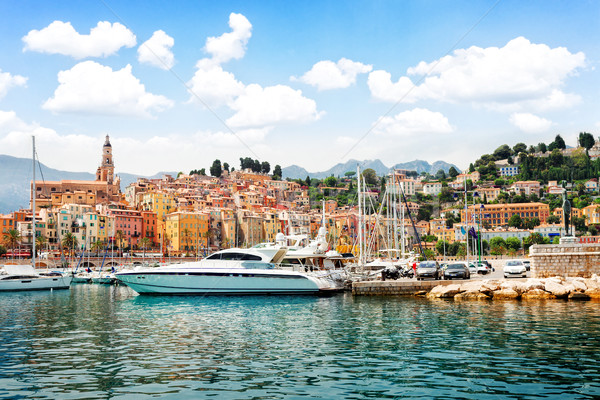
<point x="530" y="289"/>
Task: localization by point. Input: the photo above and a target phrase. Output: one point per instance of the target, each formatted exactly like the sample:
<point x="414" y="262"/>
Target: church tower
<point x="106" y="170"/>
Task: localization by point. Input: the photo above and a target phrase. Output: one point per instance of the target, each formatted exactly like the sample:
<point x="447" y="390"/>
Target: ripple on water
<point x="99" y="342"/>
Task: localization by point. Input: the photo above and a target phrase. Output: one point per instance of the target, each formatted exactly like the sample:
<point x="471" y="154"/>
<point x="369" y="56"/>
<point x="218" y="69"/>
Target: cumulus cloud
<point x="253" y="105"/>
<point x="326" y="75"/>
<point x="412" y="122"/>
<point x="92" y="88"/>
<point x="383" y="89"/>
<point x="515" y="74"/>
<point x="259" y="106"/>
<point x="61" y="38"/>
<point x="156" y="51"/>
<point x="8" y="81"/>
<point x="530" y="123"/>
<point x="214" y="86"/>
<point x="231" y="45"/>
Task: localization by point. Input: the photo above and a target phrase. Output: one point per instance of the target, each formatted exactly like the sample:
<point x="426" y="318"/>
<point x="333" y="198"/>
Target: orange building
<point x="500" y="214"/>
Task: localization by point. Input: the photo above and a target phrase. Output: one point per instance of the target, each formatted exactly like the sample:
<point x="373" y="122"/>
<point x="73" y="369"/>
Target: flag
<point x="462" y="230"/>
<point x="473" y="234"/>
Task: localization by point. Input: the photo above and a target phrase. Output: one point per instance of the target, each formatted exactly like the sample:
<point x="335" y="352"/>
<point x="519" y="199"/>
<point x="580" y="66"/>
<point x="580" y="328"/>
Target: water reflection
<point x="107" y="342"/>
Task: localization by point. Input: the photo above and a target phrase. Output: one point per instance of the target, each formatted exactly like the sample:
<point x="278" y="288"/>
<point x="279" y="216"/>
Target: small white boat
<point x="228" y="272"/>
<point x="25" y="277"/>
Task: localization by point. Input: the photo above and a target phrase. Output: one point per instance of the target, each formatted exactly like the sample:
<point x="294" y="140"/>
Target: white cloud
<point x="383" y="89"/>
<point x="61" y="38"/>
<point x="530" y="123"/>
<point x="59" y="151"/>
<point x="92" y="88"/>
<point x="7" y="81"/>
<point x="156" y="51"/>
<point x="326" y="75"/>
<point x="259" y="106"/>
<point x="519" y="73"/>
<point x="231" y="45"/>
<point x="214" y="86"/>
<point x="413" y="122"/>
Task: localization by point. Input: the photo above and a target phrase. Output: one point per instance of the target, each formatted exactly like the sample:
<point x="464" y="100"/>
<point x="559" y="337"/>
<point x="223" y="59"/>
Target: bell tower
<point x="106" y="170"/>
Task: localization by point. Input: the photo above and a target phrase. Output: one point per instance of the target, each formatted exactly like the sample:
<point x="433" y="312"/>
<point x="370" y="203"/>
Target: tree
<point x="442" y="247"/>
<point x="534" y="238"/>
<point x="40" y="242"/>
<point x="519" y="148"/>
<point x="515" y="221"/>
<point x="256" y="166"/>
<point x="502" y="152"/>
<point x="226" y="167"/>
<point x="97" y="246"/>
<point x="277" y="173"/>
<point x="202" y="171"/>
<point x="12" y="239"/>
<point x="119" y="238"/>
<point x="452" y="172"/>
<point x="265" y="167"/>
<point x="370" y="176"/>
<point x="307" y="181"/>
<point x="497" y="246"/>
<point x="586" y="140"/>
<point x="560" y="143"/>
<point x="330" y="181"/>
<point x="145" y="243"/>
<point x="2" y="250"/>
<point x="541" y="147"/>
<point x="350" y="174"/>
<point x="69" y="241"/>
<point x="553" y="219"/>
<point x="513" y="243"/>
<point x="440" y="175"/>
<point x="216" y="169"/>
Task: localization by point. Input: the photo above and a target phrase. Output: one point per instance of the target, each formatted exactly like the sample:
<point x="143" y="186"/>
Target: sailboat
<point x="25" y="277"/>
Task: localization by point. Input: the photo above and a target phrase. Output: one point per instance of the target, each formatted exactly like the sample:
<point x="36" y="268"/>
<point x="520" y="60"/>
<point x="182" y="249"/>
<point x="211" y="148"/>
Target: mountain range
<point x="15" y="176"/>
<point x="296" y="172"/>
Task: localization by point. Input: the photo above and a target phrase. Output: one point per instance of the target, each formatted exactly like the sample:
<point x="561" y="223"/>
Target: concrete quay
<point x="395" y="287"/>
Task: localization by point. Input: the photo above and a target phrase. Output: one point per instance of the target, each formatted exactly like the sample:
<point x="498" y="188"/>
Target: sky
<point x="179" y="84"/>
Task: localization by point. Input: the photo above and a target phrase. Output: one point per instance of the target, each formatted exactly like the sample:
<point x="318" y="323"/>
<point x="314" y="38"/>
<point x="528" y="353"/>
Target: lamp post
<point x="480" y="237"/>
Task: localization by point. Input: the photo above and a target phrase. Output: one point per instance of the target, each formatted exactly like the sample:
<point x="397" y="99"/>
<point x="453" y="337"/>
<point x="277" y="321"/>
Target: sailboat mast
<point x="33" y="193"/>
<point x="360" y="218"/>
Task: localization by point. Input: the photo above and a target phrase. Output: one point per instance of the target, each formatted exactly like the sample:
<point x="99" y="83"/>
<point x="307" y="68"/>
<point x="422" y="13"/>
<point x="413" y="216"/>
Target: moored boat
<point x="228" y="272"/>
<point x="25" y="277"/>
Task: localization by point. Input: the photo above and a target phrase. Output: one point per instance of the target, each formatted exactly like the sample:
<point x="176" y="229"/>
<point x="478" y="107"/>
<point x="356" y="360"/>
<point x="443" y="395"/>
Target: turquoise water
<point x="107" y="342"/>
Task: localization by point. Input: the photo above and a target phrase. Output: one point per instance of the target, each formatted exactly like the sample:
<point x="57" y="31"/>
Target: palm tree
<point x="119" y="237"/>
<point x="12" y="240"/>
<point x="145" y="242"/>
<point x="69" y="242"/>
<point x="40" y="242"/>
<point x="97" y="246"/>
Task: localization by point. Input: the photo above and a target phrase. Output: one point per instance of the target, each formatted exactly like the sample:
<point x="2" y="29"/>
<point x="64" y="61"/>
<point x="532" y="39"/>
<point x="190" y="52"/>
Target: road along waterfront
<point x="107" y="342"/>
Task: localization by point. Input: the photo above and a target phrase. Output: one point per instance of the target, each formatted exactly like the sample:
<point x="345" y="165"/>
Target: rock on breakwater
<point x="530" y="289"/>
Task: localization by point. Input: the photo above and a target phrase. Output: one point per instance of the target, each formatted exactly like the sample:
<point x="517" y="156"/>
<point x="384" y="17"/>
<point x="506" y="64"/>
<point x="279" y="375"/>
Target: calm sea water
<point x="107" y="342"/>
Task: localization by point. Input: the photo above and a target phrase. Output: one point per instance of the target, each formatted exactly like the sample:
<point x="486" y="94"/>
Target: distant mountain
<point x="296" y="172"/>
<point x="15" y="177"/>
<point x="424" y="166"/>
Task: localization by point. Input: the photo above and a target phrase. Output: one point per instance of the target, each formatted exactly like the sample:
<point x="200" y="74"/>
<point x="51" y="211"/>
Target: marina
<point x="101" y="341"/>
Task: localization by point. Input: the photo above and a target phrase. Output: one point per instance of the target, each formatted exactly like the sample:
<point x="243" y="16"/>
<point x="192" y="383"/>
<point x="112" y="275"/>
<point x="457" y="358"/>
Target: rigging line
<point x="420" y="80"/>
<point x="185" y="85"/>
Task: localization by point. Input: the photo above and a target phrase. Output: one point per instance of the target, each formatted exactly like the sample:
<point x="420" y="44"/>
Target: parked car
<point x="472" y="268"/>
<point x="429" y="269"/>
<point x="527" y="264"/>
<point x="483" y="268"/>
<point x="515" y="268"/>
<point x="457" y="270"/>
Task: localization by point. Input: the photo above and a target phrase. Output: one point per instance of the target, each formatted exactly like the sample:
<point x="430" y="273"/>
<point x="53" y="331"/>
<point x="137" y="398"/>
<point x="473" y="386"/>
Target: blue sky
<point x="179" y="84"/>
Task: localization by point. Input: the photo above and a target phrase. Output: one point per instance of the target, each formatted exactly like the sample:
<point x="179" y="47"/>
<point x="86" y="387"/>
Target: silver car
<point x="515" y="268"/>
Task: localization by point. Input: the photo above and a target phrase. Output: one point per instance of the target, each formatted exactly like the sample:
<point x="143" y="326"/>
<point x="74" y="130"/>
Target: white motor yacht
<point x="25" y="277"/>
<point x="228" y="272"/>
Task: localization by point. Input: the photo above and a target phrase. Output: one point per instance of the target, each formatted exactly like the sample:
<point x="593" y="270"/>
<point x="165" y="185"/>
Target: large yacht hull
<point x="34" y="283"/>
<point x="220" y="282"/>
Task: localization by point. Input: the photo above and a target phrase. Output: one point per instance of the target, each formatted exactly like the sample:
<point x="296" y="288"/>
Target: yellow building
<point x="271" y="226"/>
<point x="187" y="231"/>
<point x="591" y="214"/>
<point x="162" y="203"/>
